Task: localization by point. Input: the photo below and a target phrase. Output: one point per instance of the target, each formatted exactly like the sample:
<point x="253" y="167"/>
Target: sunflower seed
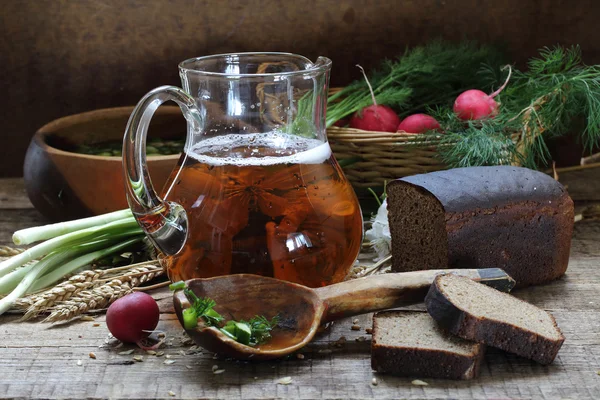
<point x="285" y="380"/>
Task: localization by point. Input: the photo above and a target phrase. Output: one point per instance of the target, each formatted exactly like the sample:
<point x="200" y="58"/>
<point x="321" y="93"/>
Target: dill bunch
<point x="537" y="105"/>
<point x="422" y="76"/>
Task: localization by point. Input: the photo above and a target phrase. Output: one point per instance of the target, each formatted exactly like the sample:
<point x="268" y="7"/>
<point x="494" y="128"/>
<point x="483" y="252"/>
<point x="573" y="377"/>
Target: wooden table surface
<point x="43" y="361"/>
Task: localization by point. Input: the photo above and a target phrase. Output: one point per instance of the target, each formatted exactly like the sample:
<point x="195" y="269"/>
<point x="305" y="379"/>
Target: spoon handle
<point x="380" y="292"/>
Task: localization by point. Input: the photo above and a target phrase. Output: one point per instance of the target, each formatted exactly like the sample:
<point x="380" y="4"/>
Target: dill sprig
<point x="260" y="328"/>
<point x="422" y="76"/>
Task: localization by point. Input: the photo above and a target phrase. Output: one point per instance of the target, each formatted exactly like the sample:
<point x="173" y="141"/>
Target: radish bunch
<point x="471" y="105"/>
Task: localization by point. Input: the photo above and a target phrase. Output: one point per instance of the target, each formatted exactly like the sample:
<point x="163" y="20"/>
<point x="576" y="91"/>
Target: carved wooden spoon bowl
<point x="301" y="309"/>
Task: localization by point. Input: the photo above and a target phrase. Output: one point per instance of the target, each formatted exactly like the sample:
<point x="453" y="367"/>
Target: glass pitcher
<point x="257" y="189"/>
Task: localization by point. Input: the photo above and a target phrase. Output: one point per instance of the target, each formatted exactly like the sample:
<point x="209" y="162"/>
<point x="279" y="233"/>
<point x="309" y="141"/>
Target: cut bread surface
<point x="418" y="228"/>
<point x="417" y="330"/>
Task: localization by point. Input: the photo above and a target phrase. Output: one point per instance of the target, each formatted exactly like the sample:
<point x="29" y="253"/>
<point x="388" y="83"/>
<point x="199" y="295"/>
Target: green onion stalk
<point x="65" y="248"/>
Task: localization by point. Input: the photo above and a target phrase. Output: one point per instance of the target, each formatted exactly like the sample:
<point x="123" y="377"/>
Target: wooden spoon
<point x="301" y="309"/>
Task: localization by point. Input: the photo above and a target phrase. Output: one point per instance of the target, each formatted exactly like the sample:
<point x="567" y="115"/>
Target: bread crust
<point x="504" y="336"/>
<point x="431" y="363"/>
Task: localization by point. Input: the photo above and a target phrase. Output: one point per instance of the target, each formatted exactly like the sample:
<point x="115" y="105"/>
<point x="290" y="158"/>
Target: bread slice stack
<point x="464" y="316"/>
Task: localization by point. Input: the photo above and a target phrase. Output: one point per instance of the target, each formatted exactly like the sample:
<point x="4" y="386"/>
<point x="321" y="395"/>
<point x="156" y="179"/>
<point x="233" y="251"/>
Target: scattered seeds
<point x="300" y="356"/>
<point x="355" y="321"/>
<point x="138" y="358"/>
<point x="419" y="382"/>
<point x="182" y="352"/>
<point x="355" y="327"/>
<point x="87" y="318"/>
<point x="169" y="362"/>
<point x="168" y="356"/>
<point x="162" y="335"/>
<point x="96" y="324"/>
<point x="360" y="339"/>
<point x="369" y="331"/>
<point x="188" y="366"/>
<point x="219" y="371"/>
<point x="215" y="367"/>
<point x="285" y="380"/>
<point x="92" y="355"/>
<point x="79" y="363"/>
<point x="160" y="353"/>
<point x="151" y="352"/>
<point x="171" y="393"/>
<point x="126" y="352"/>
<point x="325" y="351"/>
<point x="340" y="342"/>
<point x="374" y="382"/>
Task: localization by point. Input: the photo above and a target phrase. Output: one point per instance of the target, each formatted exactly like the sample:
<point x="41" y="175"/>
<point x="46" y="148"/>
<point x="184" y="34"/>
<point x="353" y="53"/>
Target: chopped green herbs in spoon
<point x="250" y="333"/>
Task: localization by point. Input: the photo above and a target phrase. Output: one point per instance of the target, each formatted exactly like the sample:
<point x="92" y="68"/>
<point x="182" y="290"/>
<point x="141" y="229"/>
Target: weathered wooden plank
<point x="582" y="182"/>
<point x="12" y="220"/>
<point x="48" y="368"/>
<point x="13" y="194"/>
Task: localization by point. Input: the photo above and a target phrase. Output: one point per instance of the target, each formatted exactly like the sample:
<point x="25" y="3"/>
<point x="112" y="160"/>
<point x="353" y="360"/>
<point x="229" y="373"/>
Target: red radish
<point x="341" y="122"/>
<point x="375" y="117"/>
<point x="132" y="317"/>
<point x="418" y="123"/>
<point x="475" y="104"/>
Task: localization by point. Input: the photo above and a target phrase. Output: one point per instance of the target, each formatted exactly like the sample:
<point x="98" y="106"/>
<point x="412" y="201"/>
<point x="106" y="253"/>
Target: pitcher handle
<point x="165" y="222"/>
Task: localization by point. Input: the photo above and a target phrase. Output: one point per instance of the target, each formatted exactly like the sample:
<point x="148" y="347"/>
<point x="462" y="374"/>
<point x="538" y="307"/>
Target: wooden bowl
<point x="65" y="185"/>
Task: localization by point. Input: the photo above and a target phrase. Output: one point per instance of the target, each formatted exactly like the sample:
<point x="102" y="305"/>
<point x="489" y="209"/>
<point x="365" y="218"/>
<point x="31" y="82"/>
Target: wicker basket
<point x="372" y="158"/>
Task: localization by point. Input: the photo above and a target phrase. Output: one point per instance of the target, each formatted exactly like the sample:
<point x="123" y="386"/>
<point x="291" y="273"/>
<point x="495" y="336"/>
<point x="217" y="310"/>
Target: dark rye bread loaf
<point x="408" y="343"/>
<point x="480" y="313"/>
<point x="482" y="217"/>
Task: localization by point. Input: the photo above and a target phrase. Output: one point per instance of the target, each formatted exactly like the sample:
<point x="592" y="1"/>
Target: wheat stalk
<point x="6" y="251"/>
<point x="85" y="280"/>
<point x="101" y="296"/>
<point x="40" y="302"/>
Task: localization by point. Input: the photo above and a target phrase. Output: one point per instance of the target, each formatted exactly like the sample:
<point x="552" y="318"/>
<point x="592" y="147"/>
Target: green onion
<point x="35" y="234"/>
<point x="243" y="332"/>
<point x="73" y="265"/>
<point x="228" y="334"/>
<point x="190" y="318"/>
<point x="177" y="285"/>
<point x="69" y="239"/>
<point x="38" y="270"/>
<point x="10" y="281"/>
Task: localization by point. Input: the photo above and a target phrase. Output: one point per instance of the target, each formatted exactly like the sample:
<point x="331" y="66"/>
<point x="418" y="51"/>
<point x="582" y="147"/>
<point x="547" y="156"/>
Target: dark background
<point x="63" y="57"/>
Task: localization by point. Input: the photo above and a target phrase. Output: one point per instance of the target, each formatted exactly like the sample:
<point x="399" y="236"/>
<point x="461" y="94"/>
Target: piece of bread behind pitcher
<point x="505" y="217"/>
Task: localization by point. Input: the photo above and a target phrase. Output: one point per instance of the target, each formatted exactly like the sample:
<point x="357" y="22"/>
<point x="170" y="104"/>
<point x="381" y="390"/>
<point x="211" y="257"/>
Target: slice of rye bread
<point x="410" y="343"/>
<point x="480" y="313"/>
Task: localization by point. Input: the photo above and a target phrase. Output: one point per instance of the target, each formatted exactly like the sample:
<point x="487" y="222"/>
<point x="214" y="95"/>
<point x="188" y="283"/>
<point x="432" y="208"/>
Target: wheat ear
<point x="102" y="296"/>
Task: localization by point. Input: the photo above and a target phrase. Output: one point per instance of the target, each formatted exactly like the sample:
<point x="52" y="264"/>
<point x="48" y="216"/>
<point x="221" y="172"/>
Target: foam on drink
<point x="290" y="149"/>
